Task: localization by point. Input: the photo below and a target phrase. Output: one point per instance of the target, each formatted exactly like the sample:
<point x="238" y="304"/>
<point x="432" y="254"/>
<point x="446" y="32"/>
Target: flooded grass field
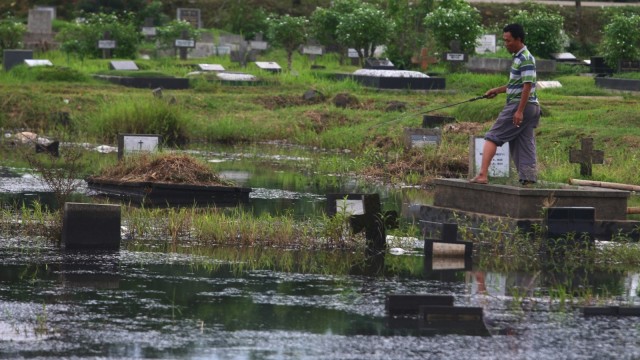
<point x="271" y="303"/>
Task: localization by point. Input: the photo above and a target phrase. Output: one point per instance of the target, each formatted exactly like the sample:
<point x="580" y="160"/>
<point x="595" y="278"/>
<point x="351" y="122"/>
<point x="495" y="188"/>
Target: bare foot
<point x="479" y="180"/>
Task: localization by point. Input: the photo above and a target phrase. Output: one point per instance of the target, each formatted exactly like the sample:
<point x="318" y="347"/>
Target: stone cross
<point x="586" y="156"/>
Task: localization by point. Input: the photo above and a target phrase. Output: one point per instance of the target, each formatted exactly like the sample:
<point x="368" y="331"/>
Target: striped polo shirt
<point x="523" y="70"/>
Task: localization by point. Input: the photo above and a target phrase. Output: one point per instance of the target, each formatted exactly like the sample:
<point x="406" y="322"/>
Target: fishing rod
<point x="428" y="111"/>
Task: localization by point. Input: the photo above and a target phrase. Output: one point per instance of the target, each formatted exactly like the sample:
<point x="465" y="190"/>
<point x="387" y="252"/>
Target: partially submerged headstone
<point x="137" y="143"/>
<point x="91" y="226"/>
<point x="500" y="164"/>
<point x="123" y="65"/>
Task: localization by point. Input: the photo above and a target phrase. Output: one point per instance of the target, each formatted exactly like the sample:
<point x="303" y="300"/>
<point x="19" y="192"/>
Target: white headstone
<point x="486" y="44"/>
<point x="51" y="9"/>
<point x="499" y="165"/>
<point x="352" y="53"/>
<point x="137" y="143"/>
<point x="211" y="67"/>
<point x="38" y="62"/>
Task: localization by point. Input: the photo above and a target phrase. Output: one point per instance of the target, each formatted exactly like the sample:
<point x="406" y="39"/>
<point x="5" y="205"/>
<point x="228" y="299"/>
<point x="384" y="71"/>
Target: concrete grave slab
<point x="270" y="66"/>
<point x="210" y="67"/>
<point x="37" y="62"/>
<point x="123" y="65"/>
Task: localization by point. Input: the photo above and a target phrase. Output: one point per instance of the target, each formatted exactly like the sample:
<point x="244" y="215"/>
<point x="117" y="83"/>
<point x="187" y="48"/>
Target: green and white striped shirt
<point x="523" y="70"/>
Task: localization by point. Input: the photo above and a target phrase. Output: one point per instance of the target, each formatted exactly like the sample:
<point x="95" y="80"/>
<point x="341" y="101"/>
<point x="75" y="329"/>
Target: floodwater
<point x="137" y="303"/>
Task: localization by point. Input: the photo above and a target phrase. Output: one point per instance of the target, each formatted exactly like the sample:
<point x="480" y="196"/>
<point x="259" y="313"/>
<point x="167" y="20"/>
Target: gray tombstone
<point x="192" y="16"/>
<point x="138" y="143"/>
<point x="258" y="45"/>
<point x="486" y="44"/>
<point x="420" y="137"/>
<point x="39" y="21"/>
<point x="123" y="65"/>
<point x="91" y="226"/>
<point x="11" y="58"/>
<point x="51" y="9"/>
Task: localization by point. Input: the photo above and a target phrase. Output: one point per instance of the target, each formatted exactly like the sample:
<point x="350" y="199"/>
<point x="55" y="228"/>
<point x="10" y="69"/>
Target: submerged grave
<point x="523" y="208"/>
<point x="167" y="180"/>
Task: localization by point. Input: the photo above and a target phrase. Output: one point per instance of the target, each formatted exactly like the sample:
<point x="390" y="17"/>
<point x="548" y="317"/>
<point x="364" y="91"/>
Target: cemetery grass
<point x="213" y="112"/>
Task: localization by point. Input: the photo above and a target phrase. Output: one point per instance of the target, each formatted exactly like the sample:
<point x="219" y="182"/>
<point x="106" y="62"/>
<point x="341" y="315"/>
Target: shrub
<point x="364" y="29"/>
<point x="167" y="34"/>
<point x="11" y="32"/>
<point x="154" y="116"/>
<point x="454" y="20"/>
<point x="620" y="41"/>
<point x="289" y="32"/>
<point x="81" y="38"/>
<point x="543" y="29"/>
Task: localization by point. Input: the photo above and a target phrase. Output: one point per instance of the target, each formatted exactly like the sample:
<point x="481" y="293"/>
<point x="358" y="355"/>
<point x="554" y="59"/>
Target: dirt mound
<point x="165" y="168"/>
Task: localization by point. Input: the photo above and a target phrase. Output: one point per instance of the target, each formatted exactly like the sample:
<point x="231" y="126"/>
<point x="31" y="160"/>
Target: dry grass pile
<point x="163" y="168"/>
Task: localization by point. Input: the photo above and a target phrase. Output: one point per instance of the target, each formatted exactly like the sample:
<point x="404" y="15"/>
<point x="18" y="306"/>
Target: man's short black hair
<point x="516" y="30"/>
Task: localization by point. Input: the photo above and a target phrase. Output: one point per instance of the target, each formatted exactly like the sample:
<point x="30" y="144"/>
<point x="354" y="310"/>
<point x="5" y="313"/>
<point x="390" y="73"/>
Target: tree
<point x="82" y="38"/>
<point x="620" y="41"/>
<point x="289" y="32"/>
<point x="364" y="29"/>
<point x="543" y="29"/>
<point x="11" y="32"/>
<point x="324" y="23"/>
<point x="454" y="20"/>
<point x="408" y="35"/>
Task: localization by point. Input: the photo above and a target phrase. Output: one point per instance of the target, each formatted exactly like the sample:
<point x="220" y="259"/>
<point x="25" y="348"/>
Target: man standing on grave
<point x="519" y="117"/>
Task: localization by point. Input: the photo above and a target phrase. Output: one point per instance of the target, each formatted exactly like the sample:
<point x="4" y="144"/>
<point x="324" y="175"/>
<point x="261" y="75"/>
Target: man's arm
<point x="491" y="93"/>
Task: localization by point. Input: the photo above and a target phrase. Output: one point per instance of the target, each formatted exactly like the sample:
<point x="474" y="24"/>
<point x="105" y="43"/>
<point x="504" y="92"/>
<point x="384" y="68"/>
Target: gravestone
<point x="192" y="16"/>
<point x="210" y="67"/>
<point x="455" y="55"/>
<point x="486" y="44"/>
<point x="11" y="57"/>
<point x="564" y="57"/>
<point x="586" y="156"/>
<point x="598" y="66"/>
<point x="258" y="45"/>
<point x="223" y="50"/>
<point x="420" y="138"/>
<point x="123" y="65"/>
<point x="548" y="84"/>
<point x="37" y="62"/>
<point x="315" y="50"/>
<point x="138" y="143"/>
<point x="106" y="45"/>
<point x="51" y="9"/>
<point x="380" y="64"/>
<point x="499" y="167"/>
<point x="447" y="245"/>
<point x="353" y="55"/>
<point x="91" y="226"/>
<point x="270" y="66"/>
<point x="148" y="29"/>
<point x="39" y="21"/>
<point x="182" y="45"/>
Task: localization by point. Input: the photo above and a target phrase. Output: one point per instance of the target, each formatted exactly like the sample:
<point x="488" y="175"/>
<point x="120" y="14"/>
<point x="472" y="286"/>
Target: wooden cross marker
<point x="586" y="156"/>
